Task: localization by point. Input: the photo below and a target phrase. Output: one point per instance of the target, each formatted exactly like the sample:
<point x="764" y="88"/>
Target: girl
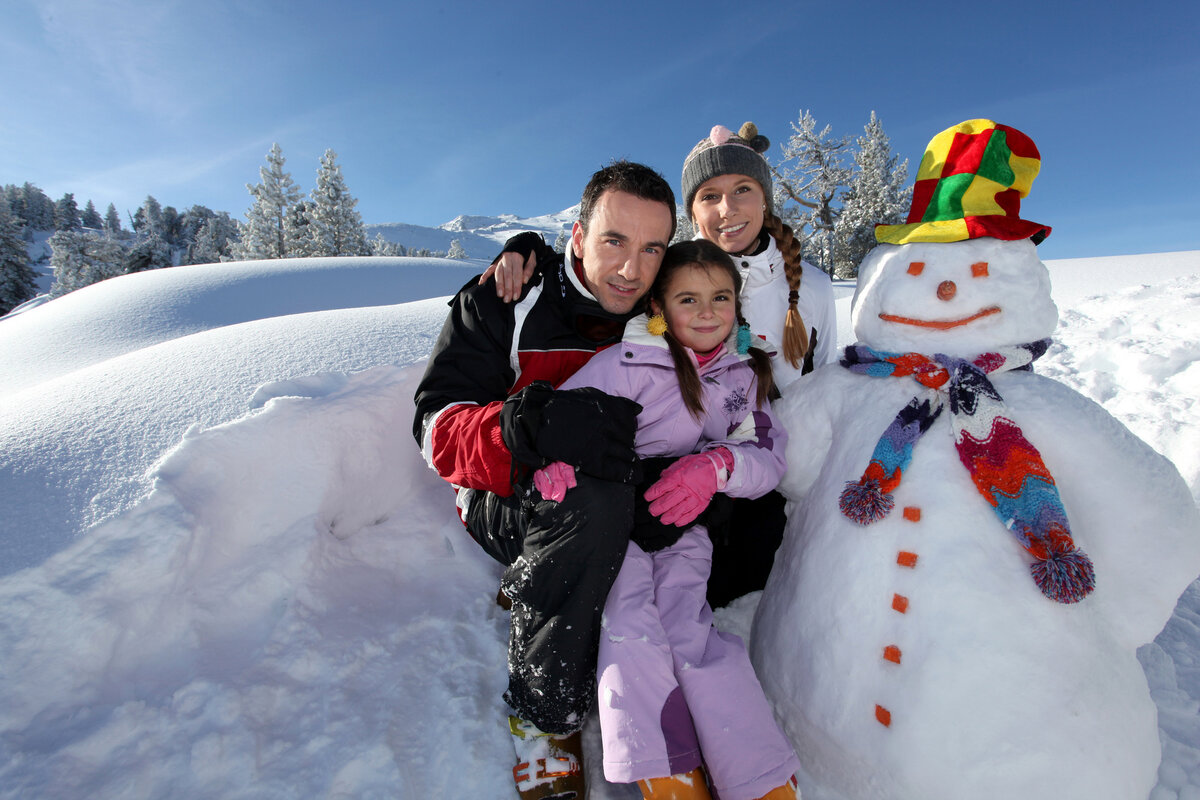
<point x="678" y="700"/>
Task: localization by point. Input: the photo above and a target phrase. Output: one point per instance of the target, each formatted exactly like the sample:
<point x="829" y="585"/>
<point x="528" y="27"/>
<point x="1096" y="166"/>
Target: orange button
<point x="906" y="559"/>
<point x="883" y="715"/>
<point x="892" y="653"/>
<point x="900" y="603"/>
<point x="912" y="513"/>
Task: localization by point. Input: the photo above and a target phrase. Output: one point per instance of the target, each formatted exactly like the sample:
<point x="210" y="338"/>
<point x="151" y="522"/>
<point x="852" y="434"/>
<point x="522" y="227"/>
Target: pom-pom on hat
<point x="970" y="185"/>
<point x="724" y="152"/>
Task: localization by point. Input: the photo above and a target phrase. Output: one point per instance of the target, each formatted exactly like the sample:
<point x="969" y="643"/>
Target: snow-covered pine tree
<point x="561" y="241"/>
<point x="213" y="240"/>
<point x="336" y="227"/>
<point x="112" y="221"/>
<point x="18" y="281"/>
<point x="66" y="213"/>
<point x="81" y="258"/>
<point x="148" y="252"/>
<point x="39" y="209"/>
<point x="172" y="226"/>
<point x="456" y="251"/>
<point x="15" y="201"/>
<point x="811" y="175"/>
<point x="878" y="194"/>
<point x="91" y="217"/>
<point x="382" y="247"/>
<point x="684" y="230"/>
<point x="262" y="234"/>
<point x="298" y="232"/>
<point x="149" y="218"/>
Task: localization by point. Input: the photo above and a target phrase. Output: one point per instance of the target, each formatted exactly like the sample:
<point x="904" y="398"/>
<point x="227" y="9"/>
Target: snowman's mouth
<point x="940" y="324"/>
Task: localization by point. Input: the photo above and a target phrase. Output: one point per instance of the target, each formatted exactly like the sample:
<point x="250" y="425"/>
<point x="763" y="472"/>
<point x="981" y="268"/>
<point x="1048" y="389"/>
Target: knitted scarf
<point x="1007" y="470"/>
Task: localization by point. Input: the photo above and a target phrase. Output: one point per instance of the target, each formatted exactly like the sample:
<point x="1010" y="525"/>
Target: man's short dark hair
<point x="631" y="178"/>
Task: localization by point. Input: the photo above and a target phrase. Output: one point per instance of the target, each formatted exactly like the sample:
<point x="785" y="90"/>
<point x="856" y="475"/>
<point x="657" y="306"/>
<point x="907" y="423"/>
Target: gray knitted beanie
<point x="724" y="152"/>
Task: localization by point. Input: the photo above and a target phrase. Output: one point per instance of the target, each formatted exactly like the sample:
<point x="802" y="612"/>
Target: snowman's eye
<point x="915" y="267"/>
<point x="979" y="269"/>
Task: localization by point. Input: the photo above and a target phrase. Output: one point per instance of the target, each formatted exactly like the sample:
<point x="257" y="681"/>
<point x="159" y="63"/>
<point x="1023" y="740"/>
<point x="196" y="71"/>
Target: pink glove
<point x="687" y="486"/>
<point x="554" y="479"/>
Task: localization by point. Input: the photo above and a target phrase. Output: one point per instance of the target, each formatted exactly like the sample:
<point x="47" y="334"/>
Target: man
<point x="488" y="416"/>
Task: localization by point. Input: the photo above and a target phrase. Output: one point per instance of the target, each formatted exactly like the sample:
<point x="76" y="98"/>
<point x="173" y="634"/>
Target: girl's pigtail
<point x="689" y="379"/>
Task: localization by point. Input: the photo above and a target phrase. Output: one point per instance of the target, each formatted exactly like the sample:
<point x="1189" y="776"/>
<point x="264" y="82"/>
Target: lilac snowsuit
<point x="673" y="691"/>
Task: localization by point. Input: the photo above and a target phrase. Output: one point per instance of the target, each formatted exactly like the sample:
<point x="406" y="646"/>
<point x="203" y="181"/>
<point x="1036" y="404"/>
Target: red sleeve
<point x="466" y="449"/>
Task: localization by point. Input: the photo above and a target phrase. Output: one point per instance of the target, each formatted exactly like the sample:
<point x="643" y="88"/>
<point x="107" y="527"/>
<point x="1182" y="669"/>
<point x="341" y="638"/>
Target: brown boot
<point x="786" y="792"/>
<point x="691" y="786"/>
<point x="549" y="767"/>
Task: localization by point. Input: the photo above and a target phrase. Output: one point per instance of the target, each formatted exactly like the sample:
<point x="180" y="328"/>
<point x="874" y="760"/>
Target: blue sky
<point x="440" y="109"/>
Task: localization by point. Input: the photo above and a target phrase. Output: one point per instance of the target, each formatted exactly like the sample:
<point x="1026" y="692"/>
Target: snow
<point x="225" y="571"/>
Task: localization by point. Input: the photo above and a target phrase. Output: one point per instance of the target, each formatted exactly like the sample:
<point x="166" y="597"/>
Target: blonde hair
<point x="795" y="332"/>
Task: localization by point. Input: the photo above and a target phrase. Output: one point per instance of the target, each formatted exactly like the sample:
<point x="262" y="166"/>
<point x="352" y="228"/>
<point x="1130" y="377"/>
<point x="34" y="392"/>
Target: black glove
<point x="649" y="532"/>
<point x="586" y="428"/>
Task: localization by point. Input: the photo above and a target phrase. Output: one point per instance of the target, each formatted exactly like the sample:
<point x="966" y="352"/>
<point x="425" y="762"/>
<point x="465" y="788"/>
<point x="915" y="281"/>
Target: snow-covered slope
<point x="279" y="601"/>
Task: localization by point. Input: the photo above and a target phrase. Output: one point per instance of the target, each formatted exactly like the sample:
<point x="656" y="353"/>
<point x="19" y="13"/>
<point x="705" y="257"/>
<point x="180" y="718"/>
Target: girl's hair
<point x="795" y="332"/>
<point x="707" y="256"/>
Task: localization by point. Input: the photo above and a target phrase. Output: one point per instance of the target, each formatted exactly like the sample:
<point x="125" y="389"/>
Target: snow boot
<point x="788" y="791"/>
<point x="549" y="766"/>
<point x="689" y="786"/>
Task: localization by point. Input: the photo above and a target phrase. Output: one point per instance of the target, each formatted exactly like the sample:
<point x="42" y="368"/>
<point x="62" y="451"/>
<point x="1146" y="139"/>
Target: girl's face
<point x="729" y="211"/>
<point x="700" y="306"/>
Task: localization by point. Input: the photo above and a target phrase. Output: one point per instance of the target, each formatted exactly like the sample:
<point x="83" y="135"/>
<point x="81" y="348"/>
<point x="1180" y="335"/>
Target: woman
<point x="728" y="195"/>
<point x="727" y="192"/>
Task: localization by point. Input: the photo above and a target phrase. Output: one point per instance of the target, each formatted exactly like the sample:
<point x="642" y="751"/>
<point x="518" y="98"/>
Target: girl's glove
<point x="553" y="480"/>
<point x="687" y="486"/>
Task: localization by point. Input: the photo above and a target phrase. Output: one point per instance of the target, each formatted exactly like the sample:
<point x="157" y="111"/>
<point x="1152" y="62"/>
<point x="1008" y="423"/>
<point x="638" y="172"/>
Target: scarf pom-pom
<point x="1065" y="577"/>
<point x="864" y="502"/>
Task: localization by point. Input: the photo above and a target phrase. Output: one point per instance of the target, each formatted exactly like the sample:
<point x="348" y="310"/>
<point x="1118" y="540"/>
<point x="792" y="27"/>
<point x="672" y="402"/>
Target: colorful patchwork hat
<point x="970" y="185"/>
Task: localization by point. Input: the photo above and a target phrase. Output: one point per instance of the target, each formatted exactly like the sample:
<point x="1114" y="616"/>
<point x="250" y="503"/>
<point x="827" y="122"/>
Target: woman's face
<point x="729" y="210"/>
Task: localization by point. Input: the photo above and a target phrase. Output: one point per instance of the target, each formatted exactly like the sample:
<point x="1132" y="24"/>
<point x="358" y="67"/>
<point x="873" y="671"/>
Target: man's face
<point x="623" y="248"/>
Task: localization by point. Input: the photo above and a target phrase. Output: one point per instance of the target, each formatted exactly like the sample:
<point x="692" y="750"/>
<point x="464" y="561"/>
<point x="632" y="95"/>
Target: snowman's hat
<point x="970" y="185"/>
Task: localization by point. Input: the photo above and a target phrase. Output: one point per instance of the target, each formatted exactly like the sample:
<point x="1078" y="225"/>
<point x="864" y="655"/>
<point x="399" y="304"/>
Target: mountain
<point x="480" y="236"/>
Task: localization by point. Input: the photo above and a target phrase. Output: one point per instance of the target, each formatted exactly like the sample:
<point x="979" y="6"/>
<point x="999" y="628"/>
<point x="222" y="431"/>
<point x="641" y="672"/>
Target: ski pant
<point x="673" y="691"/>
<point x="561" y="560"/>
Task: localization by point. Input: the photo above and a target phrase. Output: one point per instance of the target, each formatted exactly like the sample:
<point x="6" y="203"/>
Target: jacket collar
<point x="637" y="334"/>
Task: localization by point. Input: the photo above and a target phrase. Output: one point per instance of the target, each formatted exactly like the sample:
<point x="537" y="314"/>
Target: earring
<point x="744" y="338"/>
<point x="657" y="325"/>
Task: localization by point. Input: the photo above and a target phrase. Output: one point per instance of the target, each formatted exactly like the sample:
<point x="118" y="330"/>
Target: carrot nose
<point x="946" y="290"/>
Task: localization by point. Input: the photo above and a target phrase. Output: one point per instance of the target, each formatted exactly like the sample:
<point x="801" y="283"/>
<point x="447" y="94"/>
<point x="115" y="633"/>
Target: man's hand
<point x="511" y="274"/>
<point x="585" y="427"/>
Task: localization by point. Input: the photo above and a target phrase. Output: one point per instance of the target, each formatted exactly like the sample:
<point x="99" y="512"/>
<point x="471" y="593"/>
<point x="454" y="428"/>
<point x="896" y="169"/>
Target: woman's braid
<point x="795" y="332"/>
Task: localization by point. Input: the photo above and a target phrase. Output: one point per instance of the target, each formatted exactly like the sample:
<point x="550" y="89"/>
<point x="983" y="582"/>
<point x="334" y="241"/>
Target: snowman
<point x="974" y="552"/>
